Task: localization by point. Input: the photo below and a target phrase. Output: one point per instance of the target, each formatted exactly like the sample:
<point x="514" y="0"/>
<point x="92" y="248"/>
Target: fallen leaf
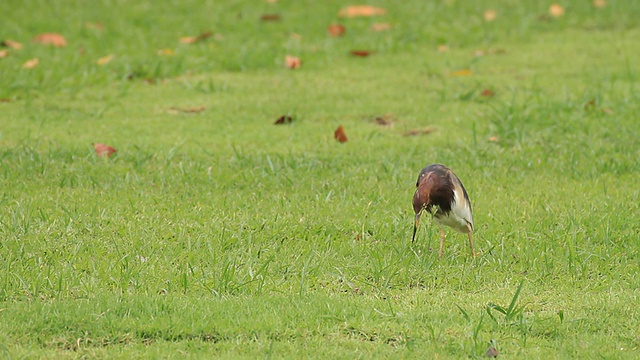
<point x="166" y="52"/>
<point x="556" y="10"/>
<point x="270" y="17"/>
<point x="361" y="53"/>
<point x="30" y="64"/>
<point x="361" y="10"/>
<point x="490" y="15"/>
<point x="380" y="27"/>
<point x="443" y="48"/>
<point x="336" y="30"/>
<point x="492" y="352"/>
<point x="292" y="62"/>
<point x="284" y="119"/>
<point x="4" y="53"/>
<point x="494" y="138"/>
<point x="195" y="39"/>
<point x="488" y="93"/>
<point x="5" y="100"/>
<point x="599" y="3"/>
<point x="340" y="135"/>
<point x="463" y="72"/>
<point x="94" y="25"/>
<point x="12" y="44"/>
<point x="590" y="105"/>
<point x="384" y="120"/>
<point x="296" y="36"/>
<point x="193" y="110"/>
<point x="54" y="39"/>
<point x="105" y="59"/>
<point x="103" y="150"/>
<point x="425" y="131"/>
<point x="272" y="1"/>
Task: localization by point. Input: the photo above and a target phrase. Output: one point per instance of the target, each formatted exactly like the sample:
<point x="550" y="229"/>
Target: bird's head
<point x="422" y="196"/>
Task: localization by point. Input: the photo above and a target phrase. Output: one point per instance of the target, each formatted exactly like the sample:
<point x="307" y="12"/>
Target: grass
<point x="218" y="233"/>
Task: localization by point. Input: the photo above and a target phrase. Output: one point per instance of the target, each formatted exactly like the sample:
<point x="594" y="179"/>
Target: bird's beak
<point x="415" y="226"/>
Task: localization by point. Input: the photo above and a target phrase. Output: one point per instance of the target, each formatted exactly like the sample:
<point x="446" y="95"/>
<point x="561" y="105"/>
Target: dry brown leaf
<point x="284" y="119"/>
<point x="494" y="138"/>
<point x="271" y="17"/>
<point x="193" y="110"/>
<point x="336" y="30"/>
<point x="443" y="48"/>
<point x="340" y="135"/>
<point x="12" y="44"/>
<point x="5" y="100"/>
<point x="599" y="3"/>
<point x="195" y="39"/>
<point x="361" y="53"/>
<point x="94" y="25"/>
<point x="105" y="59"/>
<point x="54" y="39"/>
<point x="490" y="15"/>
<point x="425" y="131"/>
<point x="463" y="72"/>
<point x="488" y="93"/>
<point x="492" y="352"/>
<point x="30" y="64"/>
<point x="361" y="10"/>
<point x="103" y="150"/>
<point x="292" y="62"/>
<point x="556" y="10"/>
<point x="380" y="27"/>
<point x="4" y="53"/>
<point x="384" y="120"/>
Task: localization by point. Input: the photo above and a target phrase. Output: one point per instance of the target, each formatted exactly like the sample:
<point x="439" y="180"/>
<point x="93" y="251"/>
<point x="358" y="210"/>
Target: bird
<point x="441" y="193"/>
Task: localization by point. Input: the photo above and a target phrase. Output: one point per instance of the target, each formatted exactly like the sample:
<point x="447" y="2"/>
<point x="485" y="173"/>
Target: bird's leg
<point x="442" y="236"/>
<point x="470" y="233"/>
<point x="415" y="226"/>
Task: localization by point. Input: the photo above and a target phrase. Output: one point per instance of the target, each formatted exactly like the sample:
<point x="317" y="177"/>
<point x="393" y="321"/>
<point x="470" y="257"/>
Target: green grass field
<point x="218" y="234"/>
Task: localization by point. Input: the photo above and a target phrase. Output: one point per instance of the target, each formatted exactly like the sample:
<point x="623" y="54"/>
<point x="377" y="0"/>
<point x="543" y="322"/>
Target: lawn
<point x="213" y="232"/>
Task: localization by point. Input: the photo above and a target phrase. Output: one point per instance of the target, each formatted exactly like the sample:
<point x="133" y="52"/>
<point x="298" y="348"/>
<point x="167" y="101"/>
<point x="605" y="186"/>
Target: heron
<point x="441" y="193"/>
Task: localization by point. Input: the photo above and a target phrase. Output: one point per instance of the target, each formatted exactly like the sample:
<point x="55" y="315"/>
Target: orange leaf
<point x="556" y="10"/>
<point x="104" y="150"/>
<point x="340" y="135"/>
<point x="380" y="27"/>
<point x="361" y="10"/>
<point x="4" y="53"/>
<point x="336" y="30"/>
<point x="463" y="72"/>
<point x="105" y="59"/>
<point x="270" y="17"/>
<point x="361" y="53"/>
<point x="30" y="64"/>
<point x="11" y="44"/>
<point x="292" y="62"/>
<point x="54" y="39"/>
<point x="195" y="39"/>
<point x="599" y="3"/>
<point x="494" y="138"/>
<point x="488" y="93"/>
<point x="490" y="15"/>
<point x="284" y="119"/>
<point x="443" y="48"/>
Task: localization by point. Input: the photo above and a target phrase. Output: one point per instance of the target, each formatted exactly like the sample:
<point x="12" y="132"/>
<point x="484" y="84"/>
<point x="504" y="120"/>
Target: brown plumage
<point x="441" y="194"/>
